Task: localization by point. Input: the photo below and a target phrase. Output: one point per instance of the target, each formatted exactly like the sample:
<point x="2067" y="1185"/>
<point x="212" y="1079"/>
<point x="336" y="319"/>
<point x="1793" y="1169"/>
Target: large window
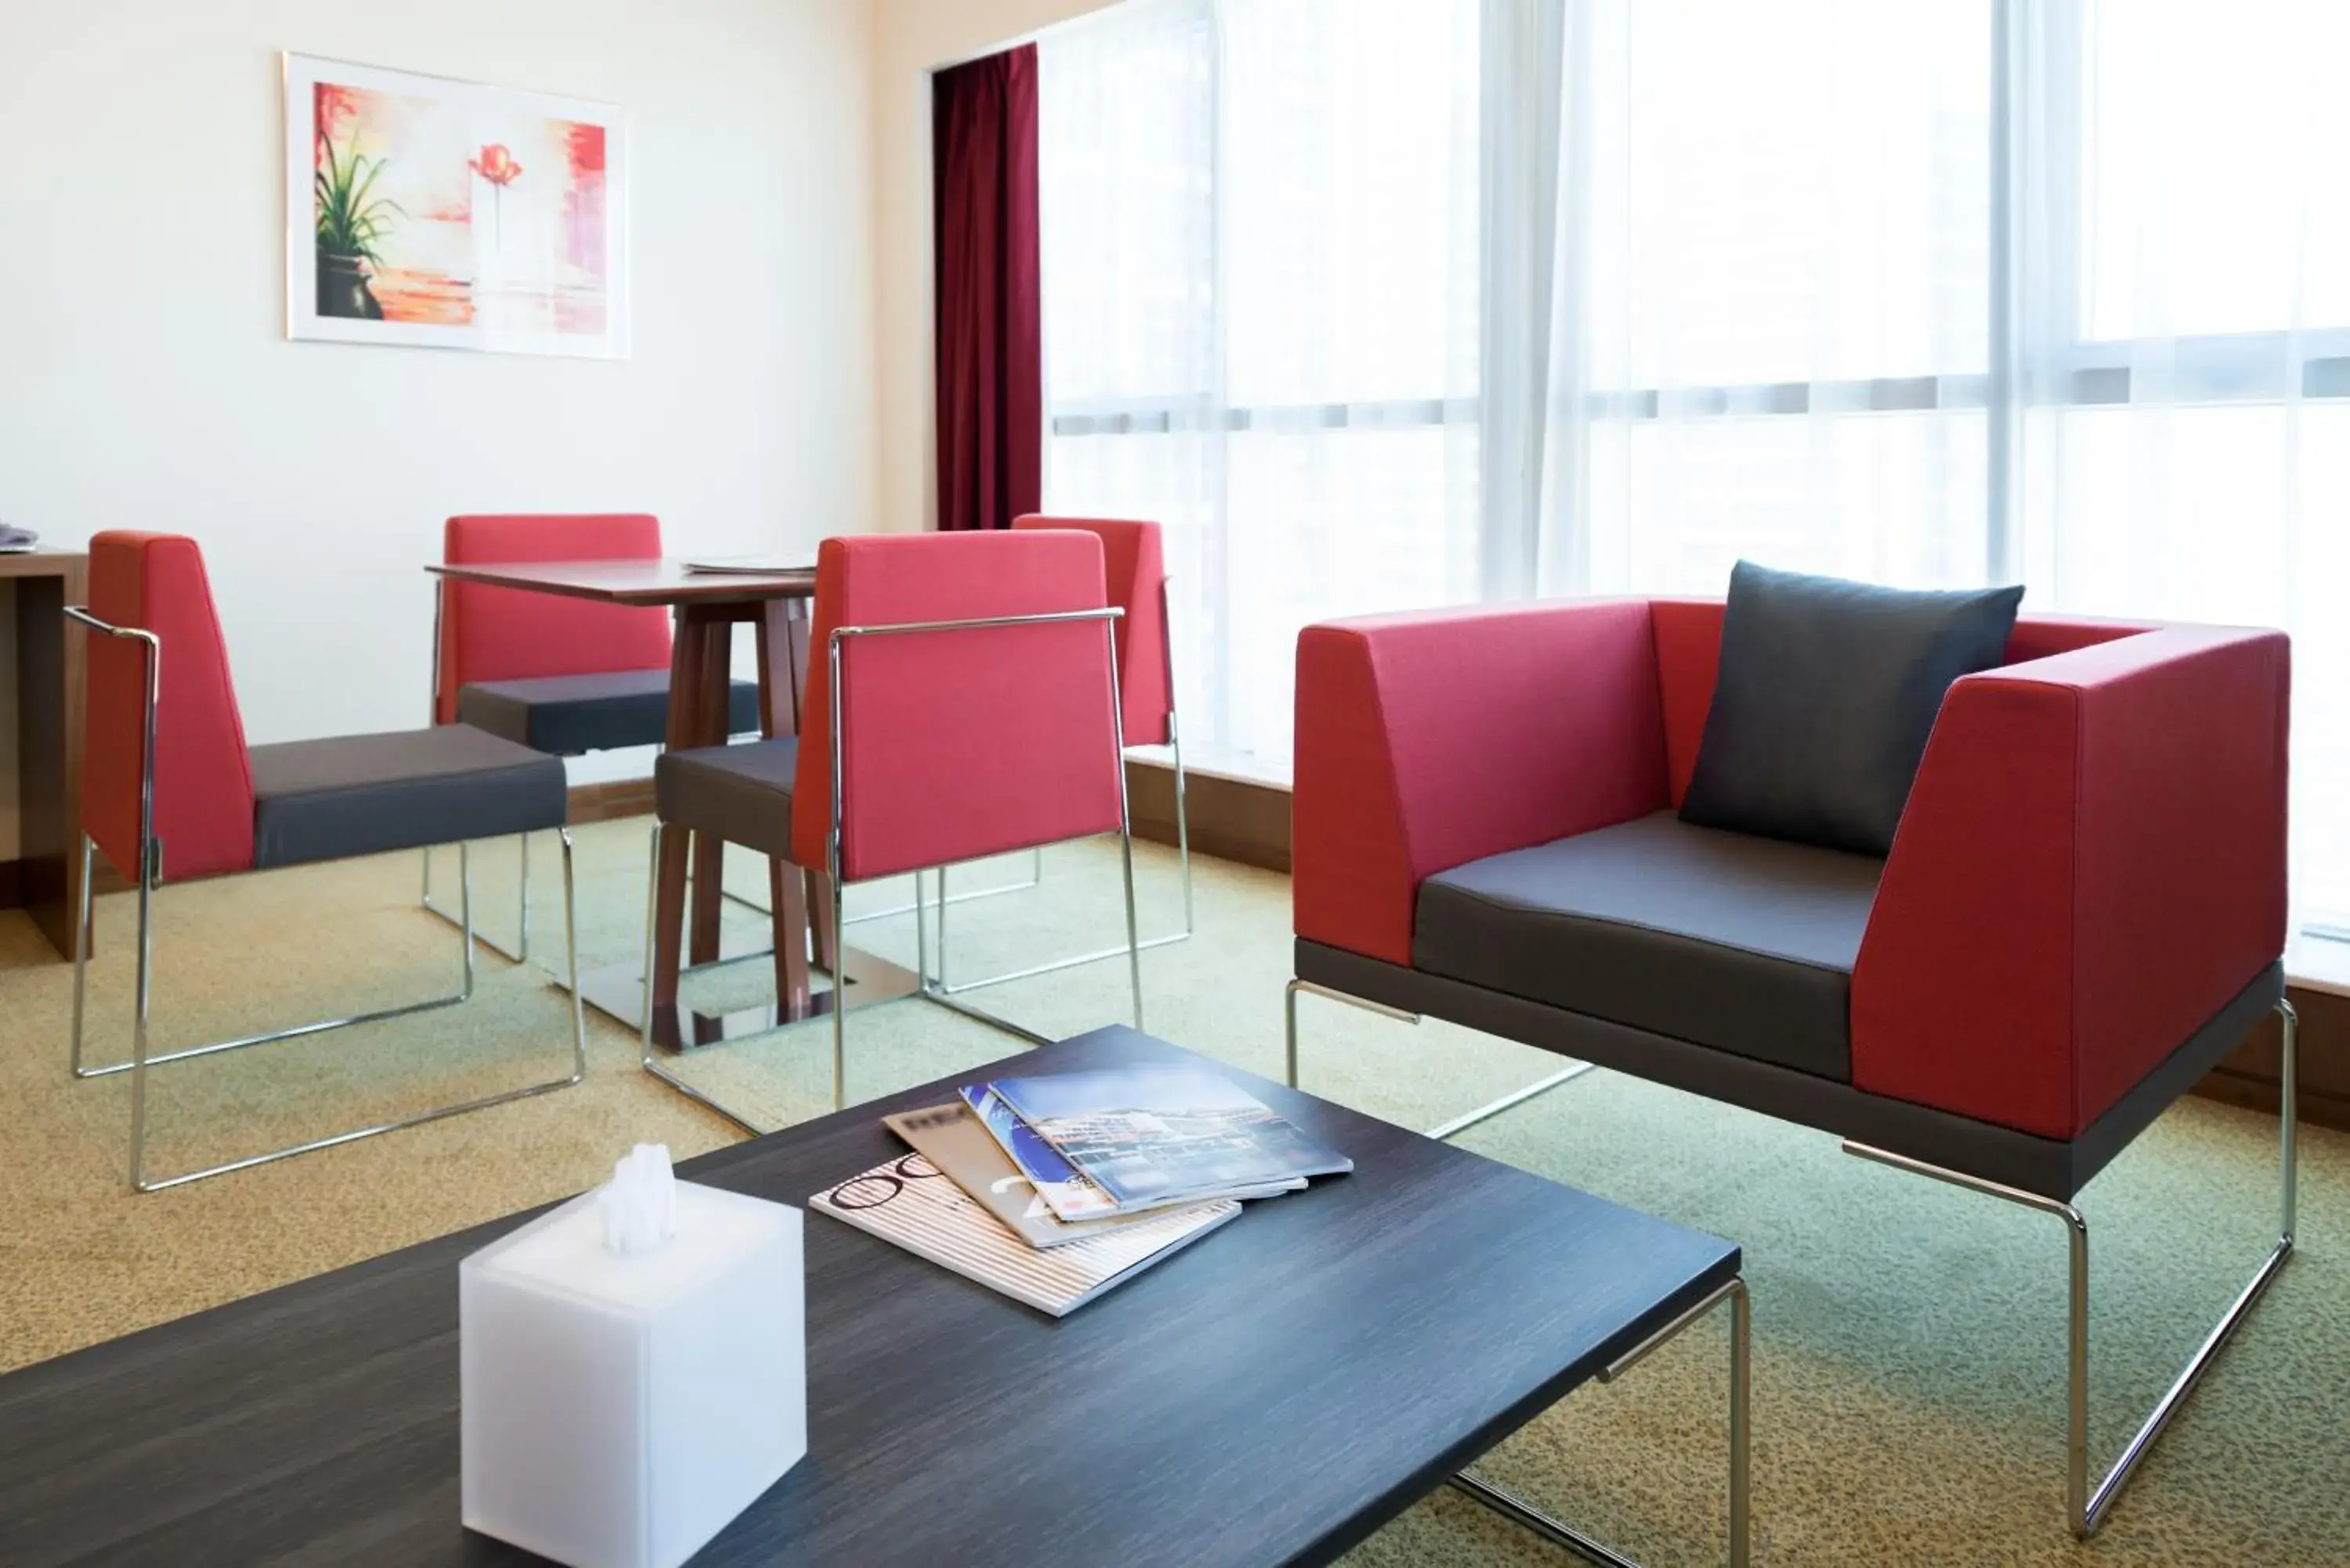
<point x="1788" y="223"/>
<point x="1262" y="319"/>
<point x="2185" y="342"/>
<point x="1386" y="303"/>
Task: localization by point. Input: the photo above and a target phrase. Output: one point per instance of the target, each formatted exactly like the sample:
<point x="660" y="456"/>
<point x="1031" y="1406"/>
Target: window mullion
<point x="2003" y="437"/>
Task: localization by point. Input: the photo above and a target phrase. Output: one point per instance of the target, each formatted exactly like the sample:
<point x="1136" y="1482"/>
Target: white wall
<point x="912" y="38"/>
<point x="146" y="381"/>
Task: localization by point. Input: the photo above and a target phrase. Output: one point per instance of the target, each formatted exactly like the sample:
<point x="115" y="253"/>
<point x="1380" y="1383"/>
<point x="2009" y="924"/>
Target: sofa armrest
<point x="1428" y="741"/>
<point x="2091" y="863"/>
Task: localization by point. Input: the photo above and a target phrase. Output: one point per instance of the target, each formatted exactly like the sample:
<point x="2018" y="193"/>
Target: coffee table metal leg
<point x="1516" y="1509"/>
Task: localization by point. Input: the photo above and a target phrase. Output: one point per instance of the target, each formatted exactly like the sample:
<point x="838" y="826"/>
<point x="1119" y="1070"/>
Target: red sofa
<point x="2084" y="908"/>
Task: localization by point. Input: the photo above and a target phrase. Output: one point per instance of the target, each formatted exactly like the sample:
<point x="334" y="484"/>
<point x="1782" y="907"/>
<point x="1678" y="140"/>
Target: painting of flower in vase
<point x="441" y="213"/>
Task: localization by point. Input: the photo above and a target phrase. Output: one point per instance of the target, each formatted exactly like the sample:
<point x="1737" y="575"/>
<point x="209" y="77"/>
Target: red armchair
<point x="2083" y="911"/>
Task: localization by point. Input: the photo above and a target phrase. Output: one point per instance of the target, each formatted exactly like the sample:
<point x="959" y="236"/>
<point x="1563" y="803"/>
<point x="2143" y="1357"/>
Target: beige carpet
<point x="1908" y="1372"/>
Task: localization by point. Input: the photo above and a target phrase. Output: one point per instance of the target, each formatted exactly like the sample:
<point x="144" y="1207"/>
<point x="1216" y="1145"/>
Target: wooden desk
<point x="706" y="605"/>
<point x="45" y="667"/>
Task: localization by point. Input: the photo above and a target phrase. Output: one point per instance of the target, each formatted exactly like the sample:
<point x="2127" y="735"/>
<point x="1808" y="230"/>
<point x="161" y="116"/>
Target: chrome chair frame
<point x="2085" y="1506"/>
<point x="520" y="951"/>
<point x="1182" y="851"/>
<point x="840" y="1003"/>
<point x="150" y="875"/>
<point x="1035" y="876"/>
<point x="2086" y="1509"/>
<point x="1442" y="1130"/>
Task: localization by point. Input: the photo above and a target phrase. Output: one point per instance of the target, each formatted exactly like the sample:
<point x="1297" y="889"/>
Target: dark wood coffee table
<point x="1271" y="1395"/>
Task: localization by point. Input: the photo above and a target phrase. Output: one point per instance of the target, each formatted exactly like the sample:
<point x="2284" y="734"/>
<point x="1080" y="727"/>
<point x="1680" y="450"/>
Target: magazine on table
<point x="1069" y="1193"/>
<point x="1163" y="1132"/>
<point x="910" y="1202"/>
<point x="953" y="1138"/>
<point x="751" y="565"/>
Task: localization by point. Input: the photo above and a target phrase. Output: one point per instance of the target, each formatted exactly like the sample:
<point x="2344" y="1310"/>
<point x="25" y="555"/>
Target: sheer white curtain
<point x="2184" y="344"/>
<point x="1262" y="317"/>
<point x="1771" y="322"/>
<point x="1956" y="291"/>
<point x="1387" y="303"/>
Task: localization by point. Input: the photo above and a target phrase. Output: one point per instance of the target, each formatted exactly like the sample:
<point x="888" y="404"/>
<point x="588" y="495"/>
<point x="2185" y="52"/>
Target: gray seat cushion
<point x="740" y="794"/>
<point x="571" y="716"/>
<point x="363" y="794"/>
<point x="1719" y="938"/>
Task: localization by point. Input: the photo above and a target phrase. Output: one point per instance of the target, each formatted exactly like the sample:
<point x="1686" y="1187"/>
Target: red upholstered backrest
<point x="965" y="743"/>
<point x="2041" y="635"/>
<point x="1135" y="560"/>
<point x="1688" y="651"/>
<point x="504" y="634"/>
<point x="1429" y="740"/>
<point x="203" y="791"/>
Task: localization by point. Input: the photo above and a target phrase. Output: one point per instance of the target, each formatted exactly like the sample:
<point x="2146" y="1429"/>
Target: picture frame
<point x="431" y="212"/>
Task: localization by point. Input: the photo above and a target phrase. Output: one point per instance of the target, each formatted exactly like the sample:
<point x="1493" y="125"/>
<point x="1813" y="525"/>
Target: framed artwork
<point x="448" y="214"/>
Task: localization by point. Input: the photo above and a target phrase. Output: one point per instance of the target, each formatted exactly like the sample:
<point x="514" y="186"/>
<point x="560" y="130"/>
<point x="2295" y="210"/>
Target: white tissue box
<point x="619" y="1410"/>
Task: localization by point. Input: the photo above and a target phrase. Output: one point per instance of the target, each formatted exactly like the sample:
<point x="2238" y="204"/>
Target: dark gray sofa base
<point x="2048" y="1167"/>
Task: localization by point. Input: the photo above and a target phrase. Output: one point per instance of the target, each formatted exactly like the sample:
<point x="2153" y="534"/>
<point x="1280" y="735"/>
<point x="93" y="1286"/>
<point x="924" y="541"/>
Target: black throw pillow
<point x="1827" y="695"/>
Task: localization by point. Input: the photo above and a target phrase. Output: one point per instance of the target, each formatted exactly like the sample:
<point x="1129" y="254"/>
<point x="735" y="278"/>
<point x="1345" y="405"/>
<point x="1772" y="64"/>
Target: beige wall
<point x="912" y="37"/>
<point x="779" y="386"/>
<point x="146" y="380"/>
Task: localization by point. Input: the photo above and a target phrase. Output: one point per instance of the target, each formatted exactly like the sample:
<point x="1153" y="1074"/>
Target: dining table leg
<point x="687" y="662"/>
<point x="780" y="662"/>
<point x="817" y="881"/>
<point x="713" y="695"/>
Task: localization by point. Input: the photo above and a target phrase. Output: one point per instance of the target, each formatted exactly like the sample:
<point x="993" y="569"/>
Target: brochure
<point x="1067" y="1193"/>
<point x="952" y="1139"/>
<point x="1162" y="1133"/>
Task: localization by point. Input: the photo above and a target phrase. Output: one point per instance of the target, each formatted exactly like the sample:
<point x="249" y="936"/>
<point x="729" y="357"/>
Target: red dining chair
<point x="968" y="707"/>
<point x="1135" y="560"/>
<point x="172" y="792"/>
<point x="562" y="676"/>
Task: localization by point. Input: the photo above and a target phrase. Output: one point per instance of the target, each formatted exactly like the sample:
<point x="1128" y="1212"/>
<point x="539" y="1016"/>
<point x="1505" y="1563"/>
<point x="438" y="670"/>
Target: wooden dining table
<point x="706" y="607"/>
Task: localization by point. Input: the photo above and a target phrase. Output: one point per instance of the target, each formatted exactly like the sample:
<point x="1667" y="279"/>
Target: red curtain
<point x="990" y="369"/>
